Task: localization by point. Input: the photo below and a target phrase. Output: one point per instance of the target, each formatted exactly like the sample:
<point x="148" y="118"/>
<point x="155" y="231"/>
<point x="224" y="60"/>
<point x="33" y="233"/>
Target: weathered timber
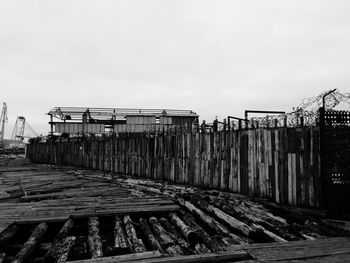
<point x="228" y="219"/>
<point x="63" y="248"/>
<point x="208" y="220"/>
<point x="273" y="229"/>
<point x="94" y="239"/>
<point x="174" y="250"/>
<point x="201" y="248"/>
<point x="31" y="243"/>
<point x="302" y="251"/>
<point x="24" y="193"/>
<point x="151" y="241"/>
<point x="135" y="257"/>
<point x="164" y="238"/>
<point x="45" y="247"/>
<point x="293" y="213"/>
<point x="211" y="242"/>
<point x="56" y="244"/>
<point x="184" y="229"/>
<point x="230" y="256"/>
<point x="39" y="260"/>
<point x="136" y="243"/>
<point x="8" y="233"/>
<point x="80" y="248"/>
<point x="2" y="257"/>
<point x="269" y="234"/>
<point x="176" y="236"/>
<point x="121" y="242"/>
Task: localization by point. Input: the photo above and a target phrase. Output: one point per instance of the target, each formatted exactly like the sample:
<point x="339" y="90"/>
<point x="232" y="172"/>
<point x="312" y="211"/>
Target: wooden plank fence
<point x="281" y="164"/>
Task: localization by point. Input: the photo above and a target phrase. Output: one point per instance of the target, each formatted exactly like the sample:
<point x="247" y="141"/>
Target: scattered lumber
<point x="29" y="246"/>
<point x="121" y="242"/>
<point x="201" y="248"/>
<point x="269" y="234"/>
<point x="211" y="243"/>
<point x="94" y="239"/>
<point x="151" y="241"/>
<point x="230" y="220"/>
<point x="56" y="247"/>
<point x="136" y="243"/>
<point x="135" y="257"/>
<point x="270" y="231"/>
<point x="175" y="235"/>
<point x="45" y="247"/>
<point x="2" y="257"/>
<point x="8" y="233"/>
<point x="80" y="248"/>
<point x="229" y="256"/>
<point x="293" y="213"/>
<point x="186" y="231"/>
<point x="63" y="248"/>
<point x="212" y="221"/>
<point x="208" y="220"/>
<point x="22" y="188"/>
<point x="164" y="238"/>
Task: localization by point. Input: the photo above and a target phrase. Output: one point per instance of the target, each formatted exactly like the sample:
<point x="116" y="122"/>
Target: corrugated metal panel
<point x="74" y="128"/>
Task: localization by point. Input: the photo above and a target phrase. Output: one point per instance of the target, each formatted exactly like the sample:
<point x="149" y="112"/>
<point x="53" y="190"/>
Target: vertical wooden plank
<point x="302" y="180"/>
<point x="215" y="162"/>
<point x="276" y="163"/>
<point x="294" y="181"/>
<point x="237" y="147"/>
<point x="250" y="163"/>
<point x="318" y="201"/>
<point x="290" y="190"/>
<point x="311" y="178"/>
<point x="260" y="176"/>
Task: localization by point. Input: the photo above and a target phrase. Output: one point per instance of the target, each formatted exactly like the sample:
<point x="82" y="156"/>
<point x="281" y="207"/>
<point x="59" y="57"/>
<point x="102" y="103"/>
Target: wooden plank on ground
<point x="299" y="250"/>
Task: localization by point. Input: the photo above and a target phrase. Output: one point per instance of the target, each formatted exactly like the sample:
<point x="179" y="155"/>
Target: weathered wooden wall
<point x="281" y="164"/>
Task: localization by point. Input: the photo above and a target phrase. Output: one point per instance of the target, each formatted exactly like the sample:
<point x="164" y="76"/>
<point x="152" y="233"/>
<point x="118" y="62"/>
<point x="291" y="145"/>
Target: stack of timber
<point x="59" y="214"/>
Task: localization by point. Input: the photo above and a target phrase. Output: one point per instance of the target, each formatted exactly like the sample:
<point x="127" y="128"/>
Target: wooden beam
<point x="94" y="239"/>
<point x="31" y="243"/>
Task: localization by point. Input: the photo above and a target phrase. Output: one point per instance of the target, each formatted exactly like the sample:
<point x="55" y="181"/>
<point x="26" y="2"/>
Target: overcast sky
<point x="217" y="58"/>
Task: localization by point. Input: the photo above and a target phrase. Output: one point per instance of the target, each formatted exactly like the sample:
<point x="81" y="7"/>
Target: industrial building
<point x="80" y="120"/>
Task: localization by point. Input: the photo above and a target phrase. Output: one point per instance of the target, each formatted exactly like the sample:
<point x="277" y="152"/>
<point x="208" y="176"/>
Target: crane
<point x="18" y="135"/>
<point x="3" y="120"/>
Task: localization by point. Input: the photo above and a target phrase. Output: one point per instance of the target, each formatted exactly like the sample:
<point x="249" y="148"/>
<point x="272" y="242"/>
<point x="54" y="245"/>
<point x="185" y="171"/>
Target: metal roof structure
<point x="75" y="113"/>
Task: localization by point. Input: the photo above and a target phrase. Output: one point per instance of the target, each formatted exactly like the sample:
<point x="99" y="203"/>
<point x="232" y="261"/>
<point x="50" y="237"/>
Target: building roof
<point x="75" y="113"/>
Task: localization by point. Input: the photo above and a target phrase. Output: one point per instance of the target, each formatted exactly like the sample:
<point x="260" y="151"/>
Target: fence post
<point x="215" y="125"/>
<point x="203" y="127"/>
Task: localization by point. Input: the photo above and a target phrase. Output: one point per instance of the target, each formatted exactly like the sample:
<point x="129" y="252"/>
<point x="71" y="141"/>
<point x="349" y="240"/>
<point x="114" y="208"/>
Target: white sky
<point x="217" y="58"/>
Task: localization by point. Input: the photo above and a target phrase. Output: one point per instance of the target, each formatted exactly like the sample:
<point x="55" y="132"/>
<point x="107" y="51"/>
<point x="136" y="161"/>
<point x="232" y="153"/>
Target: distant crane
<point x="3" y="120"/>
<point x="18" y="135"/>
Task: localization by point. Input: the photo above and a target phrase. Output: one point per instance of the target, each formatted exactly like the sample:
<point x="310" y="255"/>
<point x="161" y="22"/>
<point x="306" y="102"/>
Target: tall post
<point x="322" y="157"/>
<point x="113" y="155"/>
<point x="215" y="125"/>
<point x="203" y="126"/>
<point x="51" y="125"/>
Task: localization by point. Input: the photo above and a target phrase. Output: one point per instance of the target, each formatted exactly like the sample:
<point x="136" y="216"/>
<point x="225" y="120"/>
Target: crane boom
<point x="3" y="119"/>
